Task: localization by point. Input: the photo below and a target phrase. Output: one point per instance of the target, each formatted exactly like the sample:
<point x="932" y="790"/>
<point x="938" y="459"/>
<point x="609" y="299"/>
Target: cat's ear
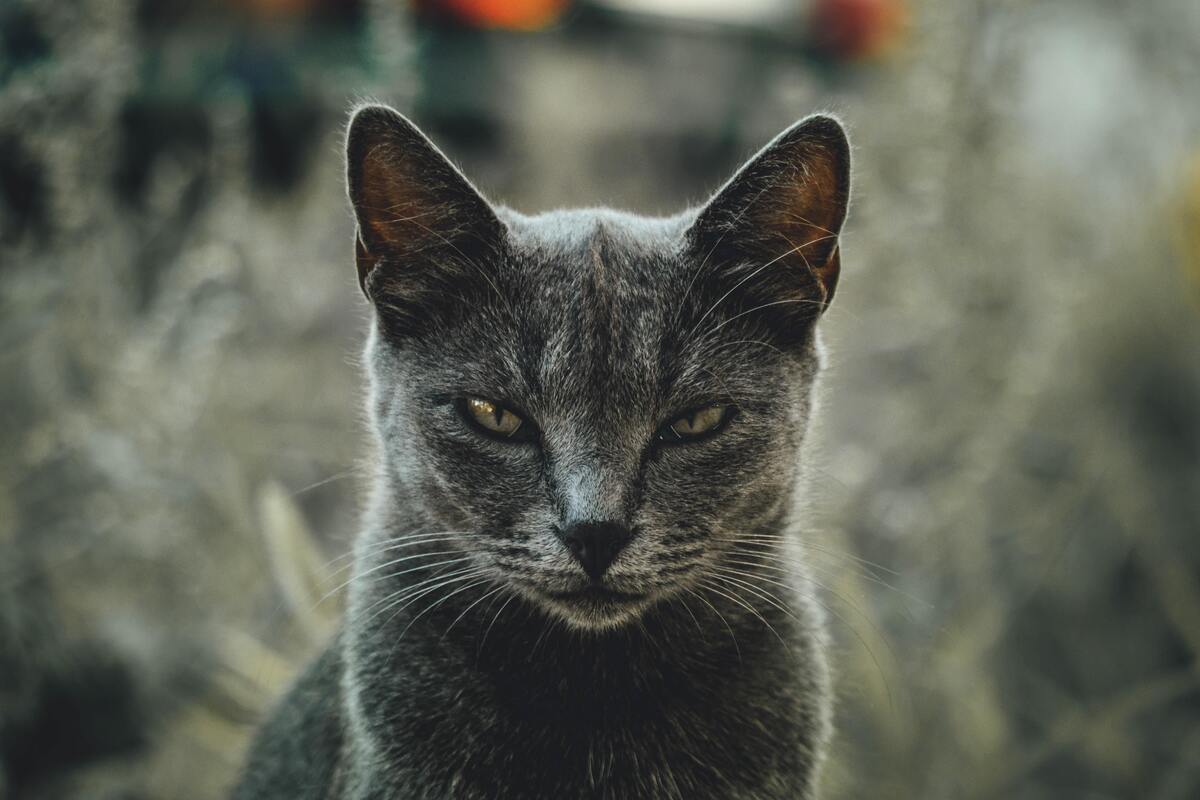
<point x="424" y="233"/>
<point x="772" y="230"/>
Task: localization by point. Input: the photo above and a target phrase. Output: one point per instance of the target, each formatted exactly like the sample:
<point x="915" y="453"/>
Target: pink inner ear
<point x="807" y="217"/>
<point x="810" y="213"/>
<point x="426" y="238"/>
<point x="410" y="200"/>
<point x="389" y="205"/>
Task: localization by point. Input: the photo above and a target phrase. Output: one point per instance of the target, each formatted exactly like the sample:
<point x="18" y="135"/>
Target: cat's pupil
<point x="492" y="416"/>
<point x="700" y="421"/>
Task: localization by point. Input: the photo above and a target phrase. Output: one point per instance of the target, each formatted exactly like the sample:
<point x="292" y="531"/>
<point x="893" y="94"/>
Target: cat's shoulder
<point x="297" y="754"/>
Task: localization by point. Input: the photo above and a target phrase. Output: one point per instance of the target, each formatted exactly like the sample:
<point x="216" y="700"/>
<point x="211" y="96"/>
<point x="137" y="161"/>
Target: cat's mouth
<point x="597" y="595"/>
<point x="596" y="606"/>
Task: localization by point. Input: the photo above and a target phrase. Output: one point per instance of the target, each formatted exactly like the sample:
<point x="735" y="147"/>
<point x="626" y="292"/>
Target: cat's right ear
<point x="424" y="232"/>
<point x="769" y="238"/>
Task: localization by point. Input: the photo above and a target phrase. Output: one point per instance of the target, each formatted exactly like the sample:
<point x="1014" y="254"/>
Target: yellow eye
<point x="492" y="417"/>
<point x="699" y="422"/>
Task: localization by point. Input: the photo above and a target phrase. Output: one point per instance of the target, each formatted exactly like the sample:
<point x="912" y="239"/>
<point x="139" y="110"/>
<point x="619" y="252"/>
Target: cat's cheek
<point x="699" y="484"/>
<point x="442" y="504"/>
<point x="678" y="501"/>
<point x="487" y="478"/>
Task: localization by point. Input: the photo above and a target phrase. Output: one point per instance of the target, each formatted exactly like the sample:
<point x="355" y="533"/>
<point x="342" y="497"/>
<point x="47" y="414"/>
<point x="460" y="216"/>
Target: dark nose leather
<point x="595" y="544"/>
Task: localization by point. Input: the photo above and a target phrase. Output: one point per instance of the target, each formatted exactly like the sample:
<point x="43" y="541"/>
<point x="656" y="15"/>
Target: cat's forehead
<point x="616" y="259"/>
<point x="599" y="290"/>
<point x="575" y="236"/>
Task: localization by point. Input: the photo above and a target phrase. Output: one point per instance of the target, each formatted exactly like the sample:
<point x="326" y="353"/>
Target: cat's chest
<point x="581" y="741"/>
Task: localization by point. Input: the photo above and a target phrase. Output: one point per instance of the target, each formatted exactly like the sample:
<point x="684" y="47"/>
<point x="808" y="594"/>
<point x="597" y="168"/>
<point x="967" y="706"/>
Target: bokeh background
<point x="1005" y="490"/>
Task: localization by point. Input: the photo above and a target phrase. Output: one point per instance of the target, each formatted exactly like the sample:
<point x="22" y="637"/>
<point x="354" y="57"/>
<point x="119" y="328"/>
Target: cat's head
<point x="590" y="406"/>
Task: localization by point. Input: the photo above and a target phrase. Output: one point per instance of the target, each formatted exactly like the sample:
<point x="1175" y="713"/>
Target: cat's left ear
<point x="424" y="232"/>
<point x="772" y="231"/>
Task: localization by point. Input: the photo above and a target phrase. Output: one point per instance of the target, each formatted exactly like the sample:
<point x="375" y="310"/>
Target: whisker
<point x="704" y="262"/>
<point x="467" y="260"/>
<point x="688" y="609"/>
<point x="854" y="630"/>
<point x="408" y="600"/>
<point x="762" y="593"/>
<point x="728" y="344"/>
<point x="431" y="607"/>
<point x="419" y="567"/>
<point x="773" y="539"/>
<point x="724" y="387"/>
<point x="325" y="481"/>
<point x="409" y="590"/>
<point x="499" y="611"/>
<point x="390" y="601"/>
<point x="740" y="601"/>
<point x="721" y="616"/>
<point x="854" y="606"/>
<point x="549" y="622"/>
<point x="483" y="597"/>
<point x="360" y="575"/>
<point x="790" y="301"/>
<point x="388" y="544"/>
<point x="785" y="254"/>
<point x="832" y="571"/>
<point x="845" y="622"/>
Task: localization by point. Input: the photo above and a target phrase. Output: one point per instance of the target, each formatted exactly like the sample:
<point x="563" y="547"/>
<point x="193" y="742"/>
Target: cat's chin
<point x="594" y="608"/>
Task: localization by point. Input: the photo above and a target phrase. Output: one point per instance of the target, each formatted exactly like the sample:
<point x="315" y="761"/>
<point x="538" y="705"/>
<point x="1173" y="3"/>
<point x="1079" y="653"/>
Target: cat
<point x="577" y="574"/>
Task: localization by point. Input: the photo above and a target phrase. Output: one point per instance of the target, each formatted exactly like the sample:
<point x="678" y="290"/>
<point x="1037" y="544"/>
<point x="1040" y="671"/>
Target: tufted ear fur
<point x="426" y="238"/>
<point x="769" y="237"/>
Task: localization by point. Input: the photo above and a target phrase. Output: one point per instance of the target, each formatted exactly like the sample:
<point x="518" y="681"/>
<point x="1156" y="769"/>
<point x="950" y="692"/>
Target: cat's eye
<point x="698" y="423"/>
<point x="493" y="418"/>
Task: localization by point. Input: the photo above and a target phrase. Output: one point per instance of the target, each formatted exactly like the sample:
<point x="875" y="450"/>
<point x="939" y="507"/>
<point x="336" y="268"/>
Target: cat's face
<point x="594" y="405"/>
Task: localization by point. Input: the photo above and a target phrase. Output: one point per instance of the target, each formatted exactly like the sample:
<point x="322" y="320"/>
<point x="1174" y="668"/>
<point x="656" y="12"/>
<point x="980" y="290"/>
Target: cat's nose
<point x="595" y="544"/>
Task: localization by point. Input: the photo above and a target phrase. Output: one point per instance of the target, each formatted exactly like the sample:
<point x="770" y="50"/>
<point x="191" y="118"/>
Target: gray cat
<point x="577" y="574"/>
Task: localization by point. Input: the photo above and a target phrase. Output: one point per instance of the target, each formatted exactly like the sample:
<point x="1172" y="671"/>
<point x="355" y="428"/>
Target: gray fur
<point x="599" y="327"/>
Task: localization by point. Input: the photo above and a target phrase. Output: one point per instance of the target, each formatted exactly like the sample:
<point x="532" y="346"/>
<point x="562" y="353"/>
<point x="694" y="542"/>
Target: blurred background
<point x="1005" y="492"/>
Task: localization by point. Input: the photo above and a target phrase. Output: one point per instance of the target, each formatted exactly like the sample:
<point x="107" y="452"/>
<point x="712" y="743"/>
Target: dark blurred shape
<point x="330" y="12"/>
<point x="283" y="115"/>
<point x="156" y="131"/>
<point x="157" y="16"/>
<point x="278" y="8"/>
<point x="285" y="130"/>
<point x="265" y="50"/>
<point x="84" y="708"/>
<point x="22" y="41"/>
<point x="22" y="192"/>
<point x="168" y="136"/>
<point x="1162" y="404"/>
<point x="63" y="704"/>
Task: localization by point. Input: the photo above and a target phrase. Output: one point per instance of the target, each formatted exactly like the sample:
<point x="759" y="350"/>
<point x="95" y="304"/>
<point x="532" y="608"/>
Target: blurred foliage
<point x="1005" y="487"/>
